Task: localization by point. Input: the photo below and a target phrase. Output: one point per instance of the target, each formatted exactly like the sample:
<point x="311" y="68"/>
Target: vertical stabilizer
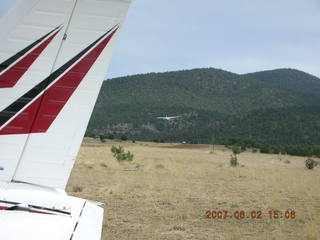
<point x="46" y="104"/>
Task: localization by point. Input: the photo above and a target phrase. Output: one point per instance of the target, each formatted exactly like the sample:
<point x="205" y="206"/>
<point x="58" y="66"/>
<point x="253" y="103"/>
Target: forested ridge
<point x="277" y="107"/>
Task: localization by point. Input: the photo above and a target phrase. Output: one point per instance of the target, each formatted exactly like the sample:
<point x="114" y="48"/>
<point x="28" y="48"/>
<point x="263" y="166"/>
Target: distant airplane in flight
<point x="168" y="118"/>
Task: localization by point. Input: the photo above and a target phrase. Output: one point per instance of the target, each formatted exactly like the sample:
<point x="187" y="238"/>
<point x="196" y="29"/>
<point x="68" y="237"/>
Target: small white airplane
<point x="168" y="118"/>
<point x="53" y="59"/>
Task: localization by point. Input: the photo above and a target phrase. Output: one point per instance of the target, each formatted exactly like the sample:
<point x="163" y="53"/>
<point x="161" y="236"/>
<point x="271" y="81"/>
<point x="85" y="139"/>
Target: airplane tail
<point x="53" y="60"/>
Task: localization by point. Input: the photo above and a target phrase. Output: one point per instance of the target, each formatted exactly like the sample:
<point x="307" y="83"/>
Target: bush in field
<point x="120" y="154"/>
<point x="233" y="159"/>
<point x="110" y="136"/>
<point x="77" y="188"/>
<point x="254" y="150"/>
<point x="310" y="163"/>
<point x="236" y="149"/>
<point x="102" y="138"/>
<point x="124" y="138"/>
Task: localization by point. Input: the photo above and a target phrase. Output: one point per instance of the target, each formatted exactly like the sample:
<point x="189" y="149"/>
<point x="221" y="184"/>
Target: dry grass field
<point x="165" y="192"/>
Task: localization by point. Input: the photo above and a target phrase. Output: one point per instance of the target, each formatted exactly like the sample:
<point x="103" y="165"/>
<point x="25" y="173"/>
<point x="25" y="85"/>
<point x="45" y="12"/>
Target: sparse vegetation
<point x="77" y="188"/>
<point x="233" y="158"/>
<point x="159" y="166"/>
<point x="110" y="136"/>
<point x="104" y="165"/>
<point x="178" y="228"/>
<point x="310" y="163"/>
<point x="123" y="138"/>
<point x="236" y="149"/>
<point x="102" y="138"/>
<point x="233" y="161"/>
<point x="254" y="150"/>
<point x="147" y="203"/>
<point x="120" y="154"/>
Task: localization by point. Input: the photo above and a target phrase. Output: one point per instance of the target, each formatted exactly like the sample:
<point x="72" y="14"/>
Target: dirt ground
<point x="167" y="190"/>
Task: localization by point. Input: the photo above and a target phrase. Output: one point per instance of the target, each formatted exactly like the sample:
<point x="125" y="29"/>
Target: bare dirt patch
<point x="187" y="146"/>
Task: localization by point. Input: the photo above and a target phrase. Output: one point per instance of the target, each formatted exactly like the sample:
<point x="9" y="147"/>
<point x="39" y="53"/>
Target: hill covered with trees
<point x="292" y="79"/>
<point x="269" y="107"/>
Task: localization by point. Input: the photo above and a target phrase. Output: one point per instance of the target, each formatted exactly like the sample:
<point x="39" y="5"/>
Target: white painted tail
<point x="53" y="59"/>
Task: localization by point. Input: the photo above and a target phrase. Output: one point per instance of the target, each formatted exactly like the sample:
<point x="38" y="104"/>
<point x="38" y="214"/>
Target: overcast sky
<point x="236" y="35"/>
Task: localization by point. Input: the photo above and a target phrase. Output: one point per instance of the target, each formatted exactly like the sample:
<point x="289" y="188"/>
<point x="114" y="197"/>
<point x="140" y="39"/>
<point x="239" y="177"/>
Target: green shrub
<point x="103" y="165"/>
<point x="159" y="166"/>
<point x="77" y="188"/>
<point x="121" y="155"/>
<point x="242" y="142"/>
<point x="110" y="136"/>
<point x="236" y="149"/>
<point x="233" y="161"/>
<point x="254" y="150"/>
<point x="124" y="138"/>
<point x="265" y="149"/>
<point x="102" y="138"/>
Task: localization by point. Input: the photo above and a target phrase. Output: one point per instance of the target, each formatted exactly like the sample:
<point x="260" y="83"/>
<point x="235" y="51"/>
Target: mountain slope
<point x="203" y="97"/>
<point x="292" y="79"/>
<point x="292" y="125"/>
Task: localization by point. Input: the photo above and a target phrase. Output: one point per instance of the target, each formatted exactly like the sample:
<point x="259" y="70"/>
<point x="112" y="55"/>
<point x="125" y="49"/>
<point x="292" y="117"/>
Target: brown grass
<point x="165" y="192"/>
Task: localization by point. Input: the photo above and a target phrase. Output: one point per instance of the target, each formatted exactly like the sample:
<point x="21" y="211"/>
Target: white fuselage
<point x="37" y="213"/>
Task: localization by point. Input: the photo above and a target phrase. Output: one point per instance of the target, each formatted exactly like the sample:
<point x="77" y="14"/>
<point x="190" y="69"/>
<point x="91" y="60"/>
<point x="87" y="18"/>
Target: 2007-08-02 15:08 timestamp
<point x="254" y="214"/>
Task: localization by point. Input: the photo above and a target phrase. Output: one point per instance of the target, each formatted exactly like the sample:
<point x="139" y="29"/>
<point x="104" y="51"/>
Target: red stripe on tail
<point x="9" y="78"/>
<point x="54" y="98"/>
